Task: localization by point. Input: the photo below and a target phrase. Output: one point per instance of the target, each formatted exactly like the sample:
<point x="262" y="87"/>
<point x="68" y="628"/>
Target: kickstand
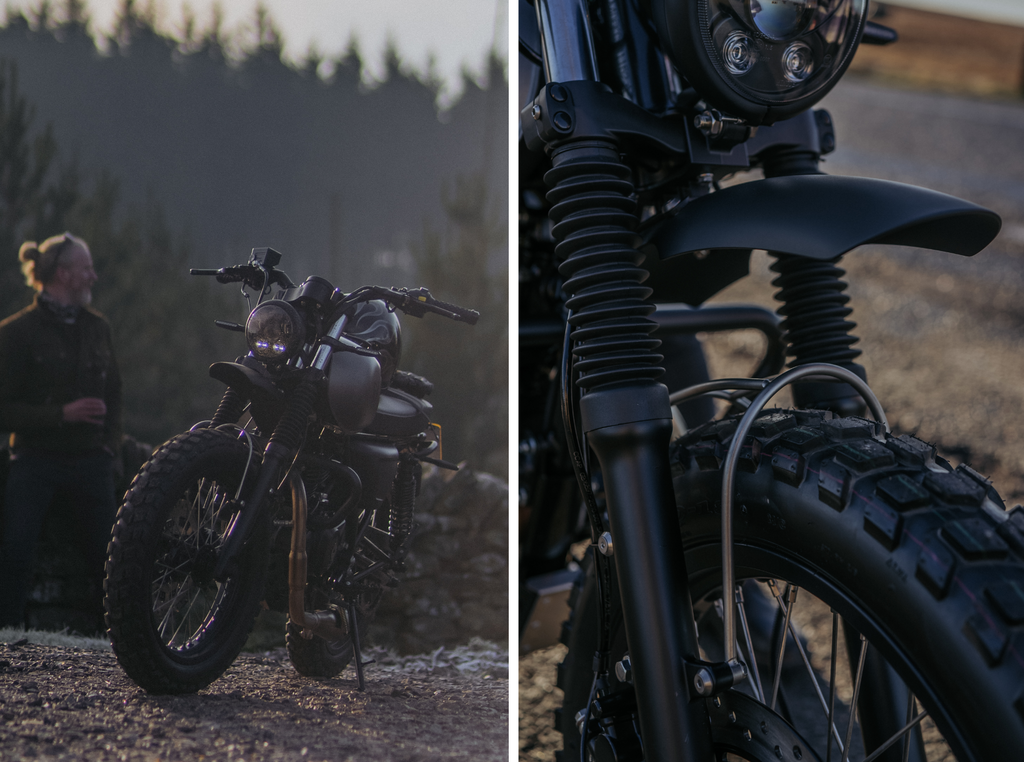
<point x="353" y="624"/>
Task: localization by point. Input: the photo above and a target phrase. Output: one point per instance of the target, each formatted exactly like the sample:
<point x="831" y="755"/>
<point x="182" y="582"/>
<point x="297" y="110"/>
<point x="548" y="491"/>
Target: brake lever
<point x="346" y="345"/>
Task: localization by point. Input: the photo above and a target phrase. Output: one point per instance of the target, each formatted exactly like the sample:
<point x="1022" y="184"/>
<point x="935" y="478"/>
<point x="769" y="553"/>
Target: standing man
<point x="60" y="395"/>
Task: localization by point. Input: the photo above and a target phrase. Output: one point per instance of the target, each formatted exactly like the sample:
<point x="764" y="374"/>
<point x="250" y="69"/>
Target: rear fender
<point x="815" y="216"/>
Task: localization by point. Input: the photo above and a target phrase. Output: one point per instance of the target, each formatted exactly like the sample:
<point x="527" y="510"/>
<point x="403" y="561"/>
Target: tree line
<point x="165" y="153"/>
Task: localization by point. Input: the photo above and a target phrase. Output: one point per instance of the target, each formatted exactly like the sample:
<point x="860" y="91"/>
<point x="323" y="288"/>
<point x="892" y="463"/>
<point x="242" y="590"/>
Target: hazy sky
<point x="456" y="32"/>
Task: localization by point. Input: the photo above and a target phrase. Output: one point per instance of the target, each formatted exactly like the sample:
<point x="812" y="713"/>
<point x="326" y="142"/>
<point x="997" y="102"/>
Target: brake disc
<point x="745" y="728"/>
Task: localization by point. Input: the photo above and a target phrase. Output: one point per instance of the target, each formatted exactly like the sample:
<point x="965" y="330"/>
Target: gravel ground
<point x="73" y="703"/>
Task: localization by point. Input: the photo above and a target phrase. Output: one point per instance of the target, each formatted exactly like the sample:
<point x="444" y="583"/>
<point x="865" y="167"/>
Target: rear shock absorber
<point x="813" y="305"/>
<point x="403" y="501"/>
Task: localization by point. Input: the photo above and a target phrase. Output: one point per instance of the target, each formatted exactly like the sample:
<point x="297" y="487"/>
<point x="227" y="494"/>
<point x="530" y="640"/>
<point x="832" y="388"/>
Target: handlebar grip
<point x="461" y="314"/>
<point x="223" y="275"/>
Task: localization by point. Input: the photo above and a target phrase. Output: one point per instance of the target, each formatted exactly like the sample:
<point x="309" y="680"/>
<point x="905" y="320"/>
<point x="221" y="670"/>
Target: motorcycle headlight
<point x="275" y="331"/>
<point x="760" y="60"/>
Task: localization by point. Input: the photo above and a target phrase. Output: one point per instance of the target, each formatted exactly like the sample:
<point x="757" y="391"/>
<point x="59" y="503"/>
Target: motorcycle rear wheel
<point x="317" y="656"/>
<point x="320" y="657"/>
<point x="173" y="628"/>
<point x="918" y="557"/>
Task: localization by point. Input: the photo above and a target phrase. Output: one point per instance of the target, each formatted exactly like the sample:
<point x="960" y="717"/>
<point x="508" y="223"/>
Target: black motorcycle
<point x="706" y="552"/>
<point x="298" y="494"/>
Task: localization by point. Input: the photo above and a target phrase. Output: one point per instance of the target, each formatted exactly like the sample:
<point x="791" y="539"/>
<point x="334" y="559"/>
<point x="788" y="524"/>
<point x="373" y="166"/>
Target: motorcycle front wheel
<point x="884" y="540"/>
<point x="173" y="627"/>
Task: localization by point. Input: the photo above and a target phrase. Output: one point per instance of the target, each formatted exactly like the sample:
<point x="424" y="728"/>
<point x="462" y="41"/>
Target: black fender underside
<point x="706" y="245"/>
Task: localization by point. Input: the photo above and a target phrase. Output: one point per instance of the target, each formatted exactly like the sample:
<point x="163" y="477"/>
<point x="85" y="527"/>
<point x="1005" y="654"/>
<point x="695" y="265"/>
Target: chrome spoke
<point x="197" y="503"/>
<point x="786" y="600"/>
<point x="215" y="518"/>
<point x="756" y="685"/>
<point x="186" y="617"/>
<point x="896" y="736"/>
<point x="168" y="571"/>
<point x="814" y="680"/>
<point x="190" y="529"/>
<point x="832" y="686"/>
<point x="856" y="694"/>
<point x="910" y="716"/>
<point x="169" y="606"/>
<point x="793" y="589"/>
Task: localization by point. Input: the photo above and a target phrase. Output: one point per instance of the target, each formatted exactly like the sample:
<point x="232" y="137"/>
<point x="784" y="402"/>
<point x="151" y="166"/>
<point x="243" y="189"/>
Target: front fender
<point x="814" y="216"/>
<point x="251" y="379"/>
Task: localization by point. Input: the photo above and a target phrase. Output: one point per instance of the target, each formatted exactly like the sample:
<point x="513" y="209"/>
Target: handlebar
<point x="416" y="302"/>
<point x="254" y="276"/>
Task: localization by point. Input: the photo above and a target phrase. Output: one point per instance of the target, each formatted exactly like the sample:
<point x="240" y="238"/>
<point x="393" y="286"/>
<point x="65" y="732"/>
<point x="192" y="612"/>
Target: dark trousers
<point x="33" y="483"/>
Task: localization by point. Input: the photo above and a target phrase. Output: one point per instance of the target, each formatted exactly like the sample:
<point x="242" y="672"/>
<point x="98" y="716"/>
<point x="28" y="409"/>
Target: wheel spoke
<point x="832" y="686"/>
<point x="185" y="618"/>
<point x="216" y="517"/>
<point x="910" y="715"/>
<point x="197" y="503"/>
<point x="750" y="645"/>
<point x="168" y="571"/>
<point x="896" y="736"/>
<point x="814" y="679"/>
<point x="170" y="606"/>
<point x="182" y="613"/>
<point x="856" y="694"/>
<point x="793" y="590"/>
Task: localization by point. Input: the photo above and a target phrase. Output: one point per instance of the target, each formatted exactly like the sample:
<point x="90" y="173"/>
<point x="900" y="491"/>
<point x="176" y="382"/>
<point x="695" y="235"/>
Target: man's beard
<point x="82" y="298"/>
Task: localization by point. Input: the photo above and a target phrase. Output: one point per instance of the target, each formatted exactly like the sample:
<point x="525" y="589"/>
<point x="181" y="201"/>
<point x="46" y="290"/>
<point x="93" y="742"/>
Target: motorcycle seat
<point x="399" y="415"/>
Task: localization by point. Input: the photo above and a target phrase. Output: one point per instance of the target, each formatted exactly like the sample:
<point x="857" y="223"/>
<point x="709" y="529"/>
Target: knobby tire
<point x="173" y="628"/>
<point x="919" y="557"/>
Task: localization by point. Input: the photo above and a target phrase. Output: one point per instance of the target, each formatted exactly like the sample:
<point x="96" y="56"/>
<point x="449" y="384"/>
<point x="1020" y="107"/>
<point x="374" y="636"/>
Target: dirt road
<point x="76" y="704"/>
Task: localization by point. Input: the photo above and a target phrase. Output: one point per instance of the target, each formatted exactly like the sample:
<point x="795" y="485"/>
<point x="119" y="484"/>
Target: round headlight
<point x="760" y="60"/>
<point x="275" y="331"/>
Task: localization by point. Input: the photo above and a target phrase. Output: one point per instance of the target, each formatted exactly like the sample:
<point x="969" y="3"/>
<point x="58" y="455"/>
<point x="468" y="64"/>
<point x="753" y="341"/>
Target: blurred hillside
<point x="252" y="152"/>
<point x="943" y="52"/>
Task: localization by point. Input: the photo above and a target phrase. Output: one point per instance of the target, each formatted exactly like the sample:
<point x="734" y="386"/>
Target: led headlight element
<point x="739" y="53"/>
<point x="797" y="62"/>
<point x="275" y="331"/>
<point x="760" y="60"/>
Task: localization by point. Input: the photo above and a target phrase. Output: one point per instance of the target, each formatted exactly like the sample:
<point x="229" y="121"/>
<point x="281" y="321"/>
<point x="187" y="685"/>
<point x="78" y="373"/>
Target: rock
<point x="456" y="585"/>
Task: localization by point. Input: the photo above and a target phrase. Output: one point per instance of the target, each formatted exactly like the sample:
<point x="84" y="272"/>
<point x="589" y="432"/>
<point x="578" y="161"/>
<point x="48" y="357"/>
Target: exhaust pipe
<point x="331" y="624"/>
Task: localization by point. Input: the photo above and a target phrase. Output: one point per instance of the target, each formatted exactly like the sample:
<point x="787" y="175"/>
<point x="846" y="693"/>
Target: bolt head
<point x="704" y="682"/>
<point x="581" y="715"/>
<point x="535" y="112"/>
<point x="624" y="670"/>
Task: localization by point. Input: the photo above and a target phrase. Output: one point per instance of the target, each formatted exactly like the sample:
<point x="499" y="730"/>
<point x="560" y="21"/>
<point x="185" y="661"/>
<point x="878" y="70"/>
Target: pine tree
<point x="27" y="193"/>
<point x="468" y="365"/>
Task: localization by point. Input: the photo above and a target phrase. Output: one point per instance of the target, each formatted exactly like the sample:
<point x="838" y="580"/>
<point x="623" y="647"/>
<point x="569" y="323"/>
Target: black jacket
<point x="46" y="363"/>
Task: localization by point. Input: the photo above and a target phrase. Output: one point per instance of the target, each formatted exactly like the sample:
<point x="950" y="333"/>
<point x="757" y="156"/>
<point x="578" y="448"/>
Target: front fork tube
<point x="648" y="554"/>
<point x="277" y="457"/>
